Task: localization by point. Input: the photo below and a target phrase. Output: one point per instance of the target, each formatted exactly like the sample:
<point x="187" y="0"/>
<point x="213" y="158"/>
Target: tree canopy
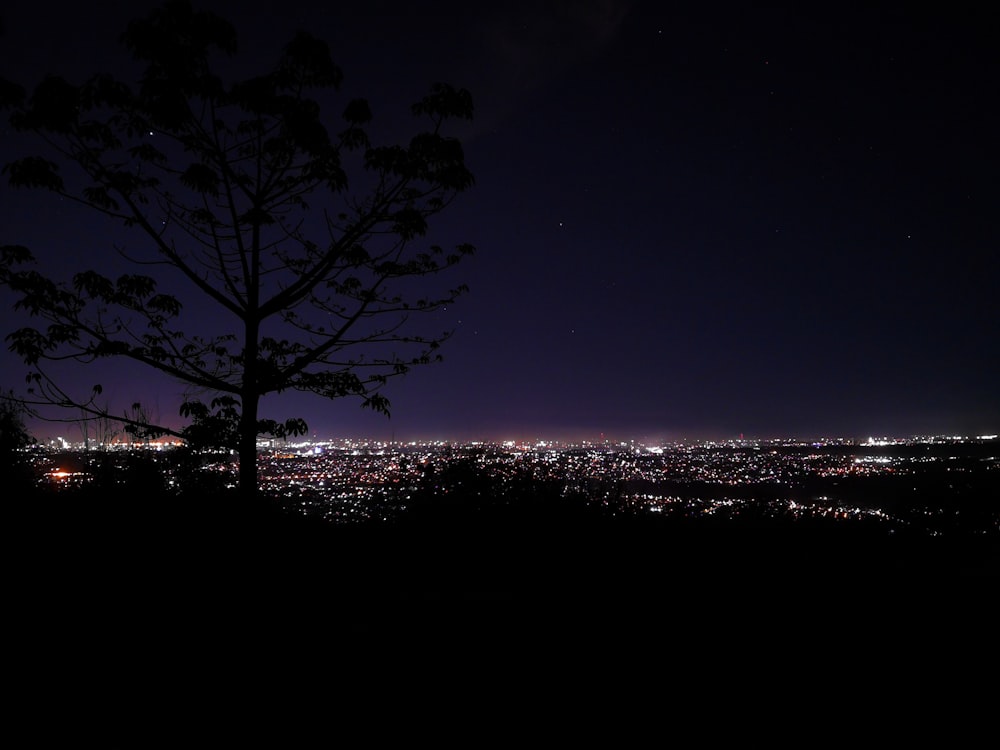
<point x="309" y="240"/>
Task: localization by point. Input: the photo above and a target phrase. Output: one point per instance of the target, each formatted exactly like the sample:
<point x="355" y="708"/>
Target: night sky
<point x="705" y="222"/>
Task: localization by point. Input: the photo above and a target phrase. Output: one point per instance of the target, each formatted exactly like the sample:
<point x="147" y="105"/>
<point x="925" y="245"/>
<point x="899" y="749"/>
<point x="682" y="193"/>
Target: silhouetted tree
<point x="242" y="194"/>
<point x="14" y="437"/>
<point x="139" y="427"/>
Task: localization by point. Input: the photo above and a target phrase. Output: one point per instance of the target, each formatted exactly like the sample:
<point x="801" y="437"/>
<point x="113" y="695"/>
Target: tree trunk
<point x="250" y="391"/>
<point x="248" y="445"/>
<point x="250" y="398"/>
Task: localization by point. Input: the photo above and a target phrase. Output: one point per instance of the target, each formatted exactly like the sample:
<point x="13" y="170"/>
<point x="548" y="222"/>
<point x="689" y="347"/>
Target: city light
<point x="352" y="481"/>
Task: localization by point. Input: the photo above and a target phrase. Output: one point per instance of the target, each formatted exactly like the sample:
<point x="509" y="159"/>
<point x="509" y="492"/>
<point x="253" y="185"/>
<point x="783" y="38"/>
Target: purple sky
<point x="689" y="224"/>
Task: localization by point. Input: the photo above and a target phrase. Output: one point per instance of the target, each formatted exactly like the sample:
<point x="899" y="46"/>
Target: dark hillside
<point x="139" y="604"/>
<point x="159" y="559"/>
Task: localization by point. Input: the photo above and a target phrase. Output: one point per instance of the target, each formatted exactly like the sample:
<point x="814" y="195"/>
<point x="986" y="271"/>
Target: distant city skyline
<point x="924" y="487"/>
<point x="68" y="440"/>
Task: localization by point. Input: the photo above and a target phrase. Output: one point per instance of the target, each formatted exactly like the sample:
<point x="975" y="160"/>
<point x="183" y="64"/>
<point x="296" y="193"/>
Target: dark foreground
<point x="168" y="567"/>
<point x="142" y="620"/>
<point x="200" y="623"/>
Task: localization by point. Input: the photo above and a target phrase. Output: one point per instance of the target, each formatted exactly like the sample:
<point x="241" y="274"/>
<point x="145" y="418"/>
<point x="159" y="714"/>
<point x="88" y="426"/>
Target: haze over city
<point x="690" y="223"/>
